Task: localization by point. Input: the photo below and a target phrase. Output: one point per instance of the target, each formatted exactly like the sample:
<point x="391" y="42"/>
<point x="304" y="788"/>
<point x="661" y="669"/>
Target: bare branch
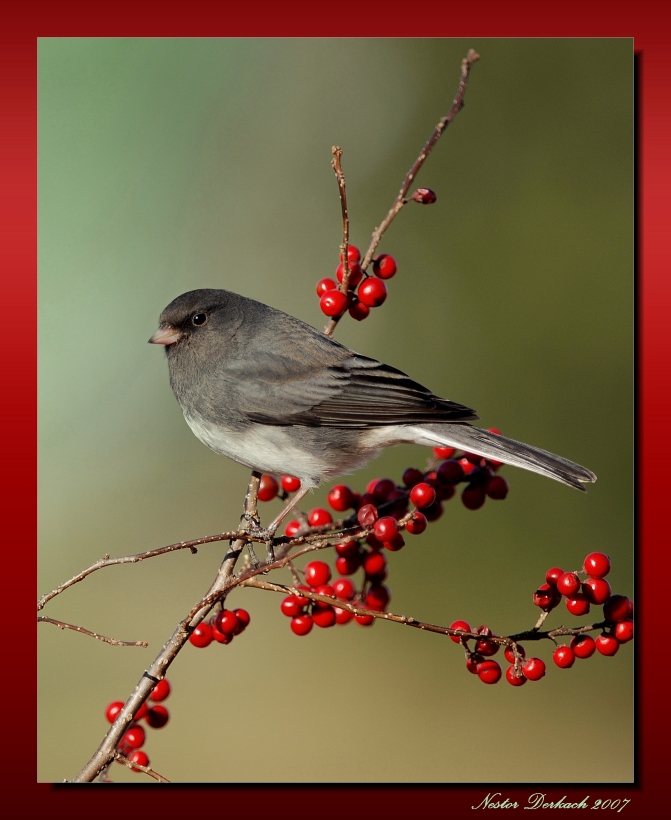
<point x="146" y="769"/>
<point x="112" y="641"/>
<point x="340" y="178"/>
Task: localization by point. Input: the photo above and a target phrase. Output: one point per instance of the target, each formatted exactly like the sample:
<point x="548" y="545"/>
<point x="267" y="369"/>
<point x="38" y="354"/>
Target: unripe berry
<point x="268" y="488"/>
<point x="317" y="573"/>
<point x="568" y="583"/>
<point x="319" y="517"/>
<point x="372" y="292"/>
<point x="333" y="303"/>
<point x="583" y="646"/>
<point x="301" y="624"/>
<point x="459" y="625"/>
<point x="533" y="669"/>
<point x="291" y="483"/>
<point x="384" y="266"/>
<point x="597" y="564"/>
<point x="607" y="644"/>
<point x="341" y="497"/>
<point x="564" y="657"/>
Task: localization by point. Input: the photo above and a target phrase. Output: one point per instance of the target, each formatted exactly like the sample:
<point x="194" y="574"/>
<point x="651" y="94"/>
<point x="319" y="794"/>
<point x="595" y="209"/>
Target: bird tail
<point x="490" y="445"/>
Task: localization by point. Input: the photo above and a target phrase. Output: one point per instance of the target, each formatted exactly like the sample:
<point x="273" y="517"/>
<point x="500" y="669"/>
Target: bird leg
<point x="268" y="533"/>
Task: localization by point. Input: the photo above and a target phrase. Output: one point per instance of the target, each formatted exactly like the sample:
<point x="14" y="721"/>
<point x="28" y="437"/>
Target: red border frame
<point x="648" y="23"/>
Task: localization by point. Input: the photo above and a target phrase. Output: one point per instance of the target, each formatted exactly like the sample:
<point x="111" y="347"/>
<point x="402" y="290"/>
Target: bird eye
<point x="199" y="319"/>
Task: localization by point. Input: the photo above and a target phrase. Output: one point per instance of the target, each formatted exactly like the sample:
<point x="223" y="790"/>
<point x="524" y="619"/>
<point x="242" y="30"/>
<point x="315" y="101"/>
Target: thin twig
<point x="458" y="103"/>
<point x="342" y="191"/>
<point x="146" y="769"/>
<point x="84" y="631"/>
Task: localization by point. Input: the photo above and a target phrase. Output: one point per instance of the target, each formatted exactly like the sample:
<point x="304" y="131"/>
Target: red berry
<point x="381" y="488"/>
<point x="583" y="646"/>
<point x="317" y="573"/>
<point x="450" y="472"/>
<point x="384" y="266"/>
<point x="353" y="254"/>
<point x="268" y="488"/>
<point x="325" y="284"/>
<point x="367" y="515"/>
<point x="140" y="758"/>
<point x="343" y="616"/>
<point x="341" y="497"/>
<point x="141" y="712"/>
<point x="374" y="563"/>
<point x="201" y="635"/>
<point x="133" y="738"/>
<point x="395" y="544"/>
<point x="301" y="624"/>
<point x="160" y="691"/>
<point x="553" y="575"/>
<point x="290" y="606"/>
<point x="157" y="717"/>
<point x="534" y="669"/>
<point x="386" y="529"/>
<point x="497" y="487"/>
<point x="359" y="311"/>
<point x="355" y="274"/>
<point x="578" y="604"/>
<point x="218" y="635"/>
<point x="373" y="542"/>
<point x="546" y="597"/>
<point x="422" y="495"/>
<point x="459" y="625"/>
<point x="348" y="549"/>
<point x="344" y="589"/>
<point x="347" y="566"/>
<point x="290" y="483"/>
<point x="226" y="622"/>
<point x="364" y="620"/>
<point x="489" y="672"/>
<point x="434" y="511"/>
<point x="412" y="476"/>
<point x="378" y="596"/>
<point x="473" y="497"/>
<point x="323" y="589"/>
<point x="243" y="619"/>
<point x="487" y="648"/>
<point x="466" y="465"/>
<point x="617" y="608"/>
<point x="510" y="655"/>
<point x="425" y="196"/>
<point x="324" y="617"/>
<point x="597" y="590"/>
<point x="416" y="524"/>
<point x="624" y="630"/>
<point x="597" y="564"/>
<point x="319" y="517"/>
<point x="512" y="678"/>
<point x="113" y="710"/>
<point x="444" y="452"/>
<point x="372" y="292"/>
<point x="568" y="583"/>
<point x="301" y="600"/>
<point x="292" y="528"/>
<point x="333" y="303"/>
<point x="473" y="662"/>
<point x="607" y="644"/>
<point x="564" y="657"/>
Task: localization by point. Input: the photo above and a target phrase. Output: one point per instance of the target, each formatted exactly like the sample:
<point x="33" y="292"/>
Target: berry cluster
<point x="156" y="716"/>
<point x="617" y="625"/>
<point x="363" y="291"/>
<point x="223" y="627"/>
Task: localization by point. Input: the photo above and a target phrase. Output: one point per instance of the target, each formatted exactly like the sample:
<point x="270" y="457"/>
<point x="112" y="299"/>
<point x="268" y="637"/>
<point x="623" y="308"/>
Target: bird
<point x="275" y="394"/>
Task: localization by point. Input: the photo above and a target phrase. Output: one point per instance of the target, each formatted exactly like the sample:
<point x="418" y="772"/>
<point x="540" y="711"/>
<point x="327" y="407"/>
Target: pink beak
<point x="165" y="335"/>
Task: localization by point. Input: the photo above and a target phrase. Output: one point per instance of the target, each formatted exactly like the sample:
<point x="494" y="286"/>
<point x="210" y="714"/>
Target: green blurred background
<point x="172" y="164"/>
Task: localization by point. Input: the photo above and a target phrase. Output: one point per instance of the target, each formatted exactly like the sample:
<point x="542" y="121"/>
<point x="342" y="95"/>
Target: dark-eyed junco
<point x="279" y="396"/>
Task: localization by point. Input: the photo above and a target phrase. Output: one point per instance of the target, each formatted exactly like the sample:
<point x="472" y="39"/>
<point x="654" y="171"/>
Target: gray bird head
<point x="196" y="317"/>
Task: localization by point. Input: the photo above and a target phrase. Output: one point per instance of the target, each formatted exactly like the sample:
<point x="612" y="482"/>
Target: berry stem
<point x="342" y="191"/>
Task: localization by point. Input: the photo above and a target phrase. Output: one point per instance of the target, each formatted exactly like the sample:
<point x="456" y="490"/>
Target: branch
<point x="112" y="641"/>
<point x="340" y="178"/>
<point x="146" y="769"/>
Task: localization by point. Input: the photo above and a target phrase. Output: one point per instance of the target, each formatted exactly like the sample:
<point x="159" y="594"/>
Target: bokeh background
<point x="172" y="164"/>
